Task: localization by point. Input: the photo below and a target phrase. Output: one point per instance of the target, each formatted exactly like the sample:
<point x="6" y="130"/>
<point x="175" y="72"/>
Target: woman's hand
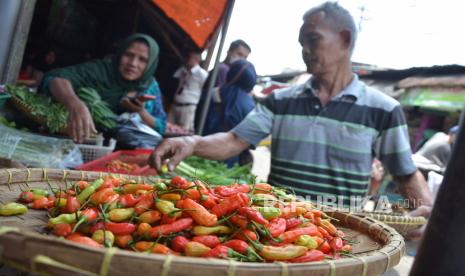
<point x="132" y="104"/>
<point x="80" y="123"/>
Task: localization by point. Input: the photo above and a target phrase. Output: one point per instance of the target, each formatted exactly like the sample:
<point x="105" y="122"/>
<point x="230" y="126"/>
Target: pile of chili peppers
<point x="253" y="223"/>
<point x="118" y="166"/>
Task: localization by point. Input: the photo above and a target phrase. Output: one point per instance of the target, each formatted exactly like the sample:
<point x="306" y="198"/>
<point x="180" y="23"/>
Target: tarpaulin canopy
<point x="449" y="100"/>
<point x="198" y="18"/>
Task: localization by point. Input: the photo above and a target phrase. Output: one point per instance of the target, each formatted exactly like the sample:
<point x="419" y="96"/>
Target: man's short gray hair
<point x="339" y="15"/>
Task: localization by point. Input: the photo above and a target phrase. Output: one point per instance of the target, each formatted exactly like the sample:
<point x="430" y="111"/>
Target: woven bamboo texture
<point x="400" y="222"/>
<point x="24" y="245"/>
<point x="26" y="110"/>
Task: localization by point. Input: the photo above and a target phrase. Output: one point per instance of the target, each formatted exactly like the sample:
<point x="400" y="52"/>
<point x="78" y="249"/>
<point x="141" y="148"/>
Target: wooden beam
<point x="19" y="41"/>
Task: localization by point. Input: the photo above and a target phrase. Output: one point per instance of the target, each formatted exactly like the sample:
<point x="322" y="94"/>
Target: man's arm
<point x="219" y="146"/>
<point x="413" y="187"/>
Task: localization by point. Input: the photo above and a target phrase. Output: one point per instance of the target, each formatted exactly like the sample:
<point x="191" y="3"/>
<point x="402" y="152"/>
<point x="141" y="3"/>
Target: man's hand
<point x="423" y="211"/>
<point x="132" y="104"/>
<point x="174" y="149"/>
<point x="80" y="123"/>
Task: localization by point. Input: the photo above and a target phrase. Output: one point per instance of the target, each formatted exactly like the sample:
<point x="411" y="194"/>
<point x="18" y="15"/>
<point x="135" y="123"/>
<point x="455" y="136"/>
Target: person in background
<point x="191" y="78"/>
<point x="439" y="147"/>
<point x="326" y="132"/>
<point x="235" y="103"/>
<point x="238" y="49"/>
<point x="117" y="79"/>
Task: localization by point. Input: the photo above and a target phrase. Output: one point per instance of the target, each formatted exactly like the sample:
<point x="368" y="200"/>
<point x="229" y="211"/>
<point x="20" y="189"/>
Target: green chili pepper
<point x="307" y="241"/>
<point x="36" y="193"/>
<point x="270" y="212"/>
<point x="12" y="209"/>
<point x="167" y="207"/>
<point x="64" y="218"/>
<point x="204" y="230"/>
<point x="160" y="186"/>
<point x="121" y="214"/>
<point x="87" y="192"/>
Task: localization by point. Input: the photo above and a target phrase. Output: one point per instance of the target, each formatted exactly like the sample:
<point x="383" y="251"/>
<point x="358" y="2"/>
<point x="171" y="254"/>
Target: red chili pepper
<point x="226" y="191"/>
<point x="97" y="226"/>
<point x="178" y="243"/>
<point x="132" y="188"/>
<point x="231" y="204"/>
<point x="26" y="196"/>
<point x="200" y="215"/>
<point x="246" y="233"/>
<point x="293" y="222"/>
<point x="120" y="228"/>
<point x="209" y="201"/>
<point x="128" y="200"/>
<point x="324" y="247"/>
<point x="72" y="204"/>
<point x="293" y="235"/>
<point x="179" y="182"/>
<point x="150" y="216"/>
<point x="336" y="244"/>
<point x="253" y="215"/>
<point x="104" y="196"/>
<point x="239" y="220"/>
<point x="78" y="238"/>
<point x="62" y="229"/>
<point x="82" y="184"/>
<point x="277" y="227"/>
<point x="144" y="204"/>
<point x="328" y="226"/>
<point x="107" y="183"/>
<point x="123" y="240"/>
<point x="87" y="215"/>
<point x="193" y="194"/>
<point x="153" y="247"/>
<point x="208" y="240"/>
<point x="311" y="256"/>
<point x="263" y="188"/>
<point x="166" y="229"/>
<point x="324" y="233"/>
<point x="222" y="252"/>
<point x="347" y="248"/>
<point x="42" y="203"/>
<point x="143" y="229"/>
<point x="166" y="219"/>
<point x="341" y="234"/>
<point x="238" y="245"/>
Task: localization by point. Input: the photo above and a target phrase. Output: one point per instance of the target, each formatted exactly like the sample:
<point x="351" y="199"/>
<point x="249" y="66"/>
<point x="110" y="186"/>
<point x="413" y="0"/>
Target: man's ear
<point x="346" y="37"/>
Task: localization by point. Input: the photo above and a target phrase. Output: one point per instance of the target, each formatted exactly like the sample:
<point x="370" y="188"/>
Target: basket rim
<point x="394" y="245"/>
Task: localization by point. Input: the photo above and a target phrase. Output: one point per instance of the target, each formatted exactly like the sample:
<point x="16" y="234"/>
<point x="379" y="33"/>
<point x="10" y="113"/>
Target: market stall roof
<point x="434" y="99"/>
<point x="198" y="18"/>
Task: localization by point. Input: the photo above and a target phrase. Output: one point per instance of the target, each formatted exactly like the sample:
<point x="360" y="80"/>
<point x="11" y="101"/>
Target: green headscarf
<point x="103" y="75"/>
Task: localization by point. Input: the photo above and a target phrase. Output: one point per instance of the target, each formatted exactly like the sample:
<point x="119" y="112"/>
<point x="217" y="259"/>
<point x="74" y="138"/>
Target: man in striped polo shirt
<point x="326" y="132"/>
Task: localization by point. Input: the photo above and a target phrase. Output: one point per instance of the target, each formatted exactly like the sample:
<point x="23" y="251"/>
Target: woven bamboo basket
<point x="24" y="245"/>
<point x="26" y="110"/>
<point x="400" y="222"/>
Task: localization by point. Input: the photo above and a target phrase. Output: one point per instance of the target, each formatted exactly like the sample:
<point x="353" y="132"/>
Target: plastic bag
<point x="37" y="150"/>
<point x="133" y="133"/>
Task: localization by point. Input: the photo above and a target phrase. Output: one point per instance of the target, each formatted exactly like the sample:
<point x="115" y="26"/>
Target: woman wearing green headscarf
<point x="117" y="80"/>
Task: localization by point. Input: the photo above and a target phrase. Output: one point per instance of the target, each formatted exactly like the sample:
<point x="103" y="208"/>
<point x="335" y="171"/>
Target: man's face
<point x="134" y="61"/>
<point x="323" y="48"/>
<point x="192" y="60"/>
<point x="238" y="53"/>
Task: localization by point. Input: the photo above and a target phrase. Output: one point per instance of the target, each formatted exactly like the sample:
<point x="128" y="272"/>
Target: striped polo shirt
<point x="328" y="150"/>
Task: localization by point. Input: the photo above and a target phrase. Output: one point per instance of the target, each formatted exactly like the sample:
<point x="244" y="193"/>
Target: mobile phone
<point x="146" y="97"/>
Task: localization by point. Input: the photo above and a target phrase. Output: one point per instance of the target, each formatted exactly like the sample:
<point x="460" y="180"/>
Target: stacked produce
<point x="55" y="114"/>
<point x="244" y="222"/>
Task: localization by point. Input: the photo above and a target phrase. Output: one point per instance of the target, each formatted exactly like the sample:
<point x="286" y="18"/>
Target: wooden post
<point x="214" y="74"/>
<point x="442" y="249"/>
<point x="14" y="59"/>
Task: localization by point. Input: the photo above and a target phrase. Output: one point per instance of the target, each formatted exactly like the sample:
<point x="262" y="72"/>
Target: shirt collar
<point x="354" y="89"/>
